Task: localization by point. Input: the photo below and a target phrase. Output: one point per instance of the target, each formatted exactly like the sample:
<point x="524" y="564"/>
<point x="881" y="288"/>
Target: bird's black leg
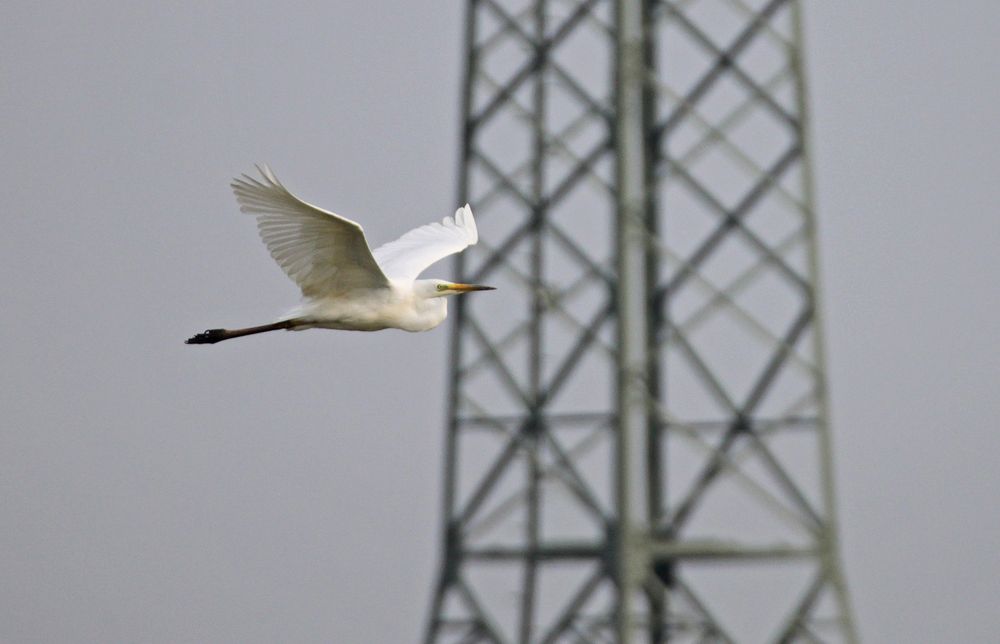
<point x="211" y="336"/>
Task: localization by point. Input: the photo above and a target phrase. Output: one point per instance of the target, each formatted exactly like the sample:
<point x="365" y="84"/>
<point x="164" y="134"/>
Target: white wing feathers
<point x="408" y="256"/>
<point x="322" y="252"/>
<point x="326" y="254"/>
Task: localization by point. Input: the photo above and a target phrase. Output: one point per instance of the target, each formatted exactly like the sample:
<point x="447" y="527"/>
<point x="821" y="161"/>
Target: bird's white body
<point x="345" y="284"/>
<point x="396" y="307"/>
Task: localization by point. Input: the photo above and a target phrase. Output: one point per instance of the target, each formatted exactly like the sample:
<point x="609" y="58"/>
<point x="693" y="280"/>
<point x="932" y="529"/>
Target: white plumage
<point x="345" y="285"/>
<point x="408" y="256"/>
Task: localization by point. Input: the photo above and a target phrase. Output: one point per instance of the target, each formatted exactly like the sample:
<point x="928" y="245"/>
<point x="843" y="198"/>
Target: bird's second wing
<point x="322" y="252"/>
<point x="408" y="256"/>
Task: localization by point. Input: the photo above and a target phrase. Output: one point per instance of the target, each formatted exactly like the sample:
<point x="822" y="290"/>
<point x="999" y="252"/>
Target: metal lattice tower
<point x="638" y="446"/>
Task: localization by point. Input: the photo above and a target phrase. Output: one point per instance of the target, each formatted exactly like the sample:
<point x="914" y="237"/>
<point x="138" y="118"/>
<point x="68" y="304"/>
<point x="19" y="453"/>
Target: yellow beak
<point x="466" y="288"/>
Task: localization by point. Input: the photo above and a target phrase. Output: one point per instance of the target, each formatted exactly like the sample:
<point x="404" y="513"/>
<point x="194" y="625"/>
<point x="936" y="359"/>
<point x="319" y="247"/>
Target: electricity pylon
<point x="638" y="447"/>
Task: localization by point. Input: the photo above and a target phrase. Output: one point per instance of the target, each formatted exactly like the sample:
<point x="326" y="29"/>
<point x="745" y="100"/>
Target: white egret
<point x="345" y="285"/>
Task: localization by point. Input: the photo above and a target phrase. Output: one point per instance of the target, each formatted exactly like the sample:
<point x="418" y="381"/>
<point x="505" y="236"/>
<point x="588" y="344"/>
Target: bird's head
<point x="441" y="288"/>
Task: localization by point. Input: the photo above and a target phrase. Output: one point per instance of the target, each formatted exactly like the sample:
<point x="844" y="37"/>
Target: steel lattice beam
<point x="637" y="447"/>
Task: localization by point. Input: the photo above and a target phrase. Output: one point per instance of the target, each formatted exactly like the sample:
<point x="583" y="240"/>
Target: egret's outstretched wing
<point x="408" y="256"/>
<point x="324" y="253"/>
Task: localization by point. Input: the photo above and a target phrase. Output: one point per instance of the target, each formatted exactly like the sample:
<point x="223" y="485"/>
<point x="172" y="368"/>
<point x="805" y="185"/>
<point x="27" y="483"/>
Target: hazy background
<point x="286" y="488"/>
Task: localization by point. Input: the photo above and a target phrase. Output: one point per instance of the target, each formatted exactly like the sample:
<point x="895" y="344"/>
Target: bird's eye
<point x="442" y="287"/>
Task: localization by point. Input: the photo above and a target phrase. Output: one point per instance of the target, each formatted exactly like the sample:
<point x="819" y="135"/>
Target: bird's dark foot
<point x="210" y="336"/>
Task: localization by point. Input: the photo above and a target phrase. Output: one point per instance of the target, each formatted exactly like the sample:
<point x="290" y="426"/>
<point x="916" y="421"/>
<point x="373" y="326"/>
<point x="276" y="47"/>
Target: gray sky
<point x="286" y="488"/>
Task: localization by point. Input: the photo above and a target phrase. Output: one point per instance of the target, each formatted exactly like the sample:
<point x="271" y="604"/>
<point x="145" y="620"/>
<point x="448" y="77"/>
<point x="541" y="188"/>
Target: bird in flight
<point x="346" y="285"/>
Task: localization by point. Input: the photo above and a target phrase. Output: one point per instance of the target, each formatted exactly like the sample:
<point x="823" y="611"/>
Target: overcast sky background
<point x="286" y="488"/>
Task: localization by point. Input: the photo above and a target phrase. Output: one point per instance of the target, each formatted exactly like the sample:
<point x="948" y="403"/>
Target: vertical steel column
<point x="633" y="308"/>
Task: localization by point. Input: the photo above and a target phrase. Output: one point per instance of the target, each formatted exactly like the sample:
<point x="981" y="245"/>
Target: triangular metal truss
<point x="638" y="446"/>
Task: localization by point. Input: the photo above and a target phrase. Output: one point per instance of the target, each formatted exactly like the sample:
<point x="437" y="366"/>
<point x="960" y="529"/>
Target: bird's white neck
<point x="427" y="313"/>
